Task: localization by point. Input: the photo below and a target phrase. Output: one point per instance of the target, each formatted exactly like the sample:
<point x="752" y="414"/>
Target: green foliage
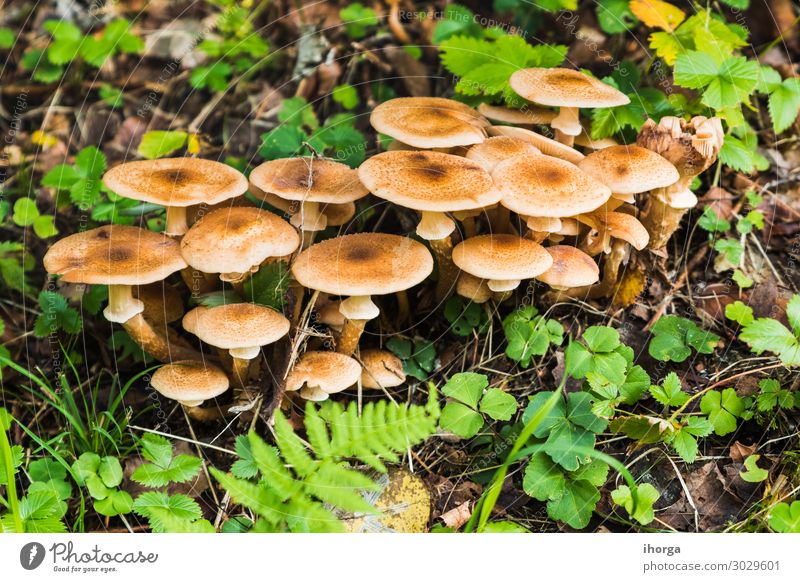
<point x="465" y="317"/>
<point x="529" y="334"/>
<point x="268" y="286"/>
<point x="615" y="16"/>
<point x="418" y="356"/>
<point x="14" y="262"/>
<point x="785" y="518"/>
<point x="27" y="214"/>
<point x="770" y="335"/>
<point x="158" y="144"/>
<point x="81" y="180"/>
<point x="647" y="495"/>
<point x="111" y="96"/>
<point x="470" y="400"/>
<point x="457" y="20"/>
<point x="56" y="315"/>
<point x="483" y="66"/>
<point x="771" y="397"/>
<point x="299" y="484"/>
<point x="670" y="392"/>
<point x="102" y="477"/>
<point x="164" y="467"/>
<point x="722" y="409"/>
<point x="7" y="38"/>
<point x="346" y="96"/>
<point x="753" y="473"/>
<point x="358" y="20"/>
<point x="674" y="337"/>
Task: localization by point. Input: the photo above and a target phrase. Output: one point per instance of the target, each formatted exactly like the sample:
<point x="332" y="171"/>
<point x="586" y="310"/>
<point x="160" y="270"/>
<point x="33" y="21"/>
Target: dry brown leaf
<point x="457" y="516"/>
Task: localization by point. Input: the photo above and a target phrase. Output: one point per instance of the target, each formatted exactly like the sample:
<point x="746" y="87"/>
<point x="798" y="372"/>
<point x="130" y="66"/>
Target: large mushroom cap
<point x="571" y="268"/>
<point x="501" y="256"/>
<point x="308" y="179"/>
<point x="236" y="325"/>
<point x="428" y="181"/>
<point x="547" y="146"/>
<point x="189" y="382"/>
<point x="114" y="255"/>
<point x="565" y="87"/>
<point x="176" y="182"/>
<point x="498" y="149"/>
<point x="429" y="122"/>
<point x="329" y="372"/>
<point x="544" y="186"/>
<point x="382" y="369"/>
<point x="363" y="264"/>
<point x="629" y="169"/>
<point x="232" y="240"/>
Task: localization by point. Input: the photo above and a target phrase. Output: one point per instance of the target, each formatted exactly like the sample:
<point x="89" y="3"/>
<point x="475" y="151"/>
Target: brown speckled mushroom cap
<point x="382" y="369"/>
<point x="237" y="326"/>
<point x="114" y="255"/>
<point x="548" y="187"/>
<point x="498" y="149"/>
<point x="571" y="268"/>
<point x="363" y="264"/>
<point x="176" y="182"/>
<point x="429" y="122"/>
<point x="547" y="146"/>
<point x="629" y="169"/>
<point x="308" y="179"/>
<point x="329" y="372"/>
<point x="428" y="181"/>
<point x="565" y="87"/>
<point x="501" y="257"/>
<point x="189" y="382"/>
<point x="625" y="227"/>
<point x="234" y="240"/>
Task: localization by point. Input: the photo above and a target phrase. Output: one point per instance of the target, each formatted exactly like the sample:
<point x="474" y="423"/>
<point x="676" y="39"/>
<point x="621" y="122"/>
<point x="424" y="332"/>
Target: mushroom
<point x="242" y="329"/>
<point x="569" y="90"/>
<point x="498" y="149"/>
<point x="504" y="260"/>
<point x="617" y="225"/>
<point x="190" y="383"/>
<point x="311" y="181"/>
<point x="527" y="115"/>
<point x="547" y="146"/>
<point x="544" y="187"/>
<point x="176" y="183"/>
<point x="234" y="242"/>
<point x="584" y="140"/>
<point x="429" y="122"/>
<point x="122" y="257"/>
<point x="432" y="183"/>
<point x="571" y="268"/>
<point x="381" y="369"/>
<point x="691" y="147"/>
<point x="162" y="302"/>
<point x="317" y="375"/>
<point x="629" y="170"/>
<point x="335" y="214"/>
<point x="358" y="266"/>
<point x="473" y="288"/>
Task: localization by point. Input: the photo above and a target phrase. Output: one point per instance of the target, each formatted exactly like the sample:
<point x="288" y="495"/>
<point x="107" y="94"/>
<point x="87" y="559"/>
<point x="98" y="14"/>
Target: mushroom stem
<point x="435" y="225"/>
<point x="500" y="220"/>
<point x="503" y="285"/>
<point x="448" y="272"/>
<point x="567" y="125"/>
<point x="310" y="217"/>
<point x="470" y="229"/>
<point x="177" y="225"/>
<point x="607" y="285"/>
<point x="243" y="398"/>
<point x="198" y="282"/>
<point x="200" y="414"/>
<point x="163" y="349"/>
<point x="403" y="308"/>
<point x="121" y="304"/>
<point x="351" y="334"/>
<point x="660" y="218"/>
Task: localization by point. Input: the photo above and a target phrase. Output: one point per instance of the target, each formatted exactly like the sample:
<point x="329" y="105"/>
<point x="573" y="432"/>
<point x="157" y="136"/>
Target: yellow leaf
<point x="193" y="144"/>
<point x="43" y="139"/>
<point x="629" y="289"/>
<point x="658" y="14"/>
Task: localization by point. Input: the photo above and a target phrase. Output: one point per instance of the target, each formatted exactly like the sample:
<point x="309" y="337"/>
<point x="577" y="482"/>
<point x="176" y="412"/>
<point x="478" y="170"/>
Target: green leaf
<point x="712" y="222"/>
<point x="753" y="473"/>
<point x="785" y="518"/>
<point x="358" y="19"/>
<point x="283" y="141"/>
<point x="685" y="445"/>
<point x="765" y="334"/>
<point x="346" y="96"/>
<point x="742" y="280"/>
<point x="673" y="335"/>
<point x="615" y="16"/>
<point x="576" y="505"/>
<point x="466" y="387"/>
<point x="498" y="405"/>
<point x="740" y="313"/>
<point x="157" y="144"/>
<point x="268" y="286"/>
<point x="601" y="339"/>
<point x="110" y="471"/>
<point x="460" y="420"/>
<point x="784" y="104"/>
<point x="722" y="409"/>
<point x="793" y="313"/>
<point x="555" y="416"/>
<point x="528" y="334"/>
<point x="731" y="248"/>
<point x="25" y="212"/>
<point x="7" y="38"/>
<point x="56" y="315"/>
<point x="244" y="467"/>
<point x="647" y="495"/>
<point x="66" y="43"/>
<point x="543" y="480"/>
<point x="215" y="77"/>
<point x="564" y="443"/>
<point x="44" y="226"/>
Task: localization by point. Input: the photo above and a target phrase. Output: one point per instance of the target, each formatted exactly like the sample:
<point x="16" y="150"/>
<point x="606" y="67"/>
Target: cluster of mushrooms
<point x="529" y="207"/>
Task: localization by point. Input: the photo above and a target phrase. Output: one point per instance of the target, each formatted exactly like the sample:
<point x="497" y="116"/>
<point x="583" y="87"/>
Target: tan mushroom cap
<point x="529" y="115"/>
<point x="571" y="268"/>
<point x="328" y="372"/>
<point x="235" y="240"/>
<point x="241" y="328"/>
<point x="177" y="182"/>
<point x="189" y="382"/>
<point x="428" y="181"/>
<point x="363" y="264"/>
<point x="330" y="315"/>
<point x="114" y="255"/>
<point x="501" y="257"/>
<point x="381" y="369"/>
<point x="473" y="288"/>
<point x="336" y="214"/>
<point x="498" y="149"/>
<point x="547" y="146"/>
<point x="565" y="88"/>
<point x="308" y="179"/>
<point x="429" y="122"/>
<point x="626" y="227"/>
<point x="629" y="169"/>
<point x="544" y="186"/>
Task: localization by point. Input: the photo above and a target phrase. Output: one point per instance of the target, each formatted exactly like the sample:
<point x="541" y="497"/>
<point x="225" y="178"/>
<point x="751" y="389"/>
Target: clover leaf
<point x="462" y="415"/>
<point x="785" y="518"/>
<point x="528" y="334"/>
<point x="753" y="473"/>
<point x="673" y="336"/>
<point x="722" y="409"/>
<point x="163" y="468"/>
<point x="646" y="496"/>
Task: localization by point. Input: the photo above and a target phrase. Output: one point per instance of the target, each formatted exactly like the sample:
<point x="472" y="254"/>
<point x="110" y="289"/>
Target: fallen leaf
<point x="739" y="452"/>
<point x="658" y="14"/>
<point x="457" y="516"/>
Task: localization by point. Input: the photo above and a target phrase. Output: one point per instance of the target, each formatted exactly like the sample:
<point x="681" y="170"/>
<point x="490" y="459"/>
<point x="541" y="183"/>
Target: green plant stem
<point x="11" y="485"/>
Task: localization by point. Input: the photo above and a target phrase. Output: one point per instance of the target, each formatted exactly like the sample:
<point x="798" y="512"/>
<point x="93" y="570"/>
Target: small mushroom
<point x="358" y="266"/>
<point x="242" y="329"/>
<point x="381" y="369"/>
<point x="317" y="375"/>
<point x="547" y="146"/>
<point x="617" y="225"/>
<point x="473" y="288"/>
<point x="122" y="257"/>
<point x="504" y="260"/>
<point x="190" y="383"/>
<point x="571" y="268"/>
<point x="234" y="242"/>
<point x="429" y="122"/>
<point x="310" y="181"/>
<point x="176" y="183"/>
<point x="569" y="90"/>
<point x="432" y="183"/>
